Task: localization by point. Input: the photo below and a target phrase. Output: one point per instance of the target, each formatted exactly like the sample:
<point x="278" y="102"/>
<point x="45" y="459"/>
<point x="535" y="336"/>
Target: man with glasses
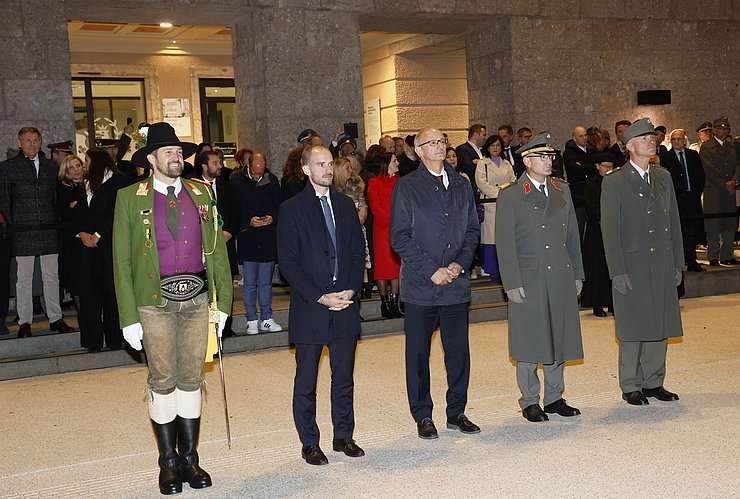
<point x="434" y="229"/>
<point x="688" y="182"/>
<point x="539" y="253"/>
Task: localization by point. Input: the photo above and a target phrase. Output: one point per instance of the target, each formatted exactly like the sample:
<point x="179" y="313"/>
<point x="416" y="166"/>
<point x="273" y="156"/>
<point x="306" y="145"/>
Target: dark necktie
<point x="647" y="177"/>
<point x="173" y="212"/>
<point x="332" y="231"/>
<point x="542" y="190"/>
<point x="685" y="170"/>
<point x="441" y="180"/>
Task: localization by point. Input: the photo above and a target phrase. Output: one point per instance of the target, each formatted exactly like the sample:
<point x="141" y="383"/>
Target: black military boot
<point x="385" y="308"/>
<point x="394" y="306"/>
<point x="188" y="431"/>
<point x="170" y="481"/>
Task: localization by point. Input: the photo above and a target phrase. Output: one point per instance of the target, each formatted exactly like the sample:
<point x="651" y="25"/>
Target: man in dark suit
<point x="210" y="166"/>
<point x="470" y="152"/>
<point x="322" y="256"/>
<point x="579" y="166"/>
<point x="619" y="149"/>
<point x="688" y="181"/>
<point x="434" y="229"/>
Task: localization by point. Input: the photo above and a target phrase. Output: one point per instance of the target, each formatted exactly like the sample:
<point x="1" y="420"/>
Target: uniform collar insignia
<point x="143" y="189"/>
<point x="194" y="189"/>
<point x="527" y="187"/>
<point x="555" y="184"/>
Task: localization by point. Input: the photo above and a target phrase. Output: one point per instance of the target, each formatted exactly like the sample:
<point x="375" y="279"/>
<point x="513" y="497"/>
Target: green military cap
<point x="643" y="126"/>
<point x="721" y="122"/>
<point x="65" y="146"/>
<point x="707" y="125"/>
<point x="539" y="145"/>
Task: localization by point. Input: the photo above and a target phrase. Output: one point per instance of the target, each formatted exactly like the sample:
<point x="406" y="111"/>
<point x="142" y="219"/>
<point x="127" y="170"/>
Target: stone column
<point x="295" y="69"/>
<point x="35" y="87"/>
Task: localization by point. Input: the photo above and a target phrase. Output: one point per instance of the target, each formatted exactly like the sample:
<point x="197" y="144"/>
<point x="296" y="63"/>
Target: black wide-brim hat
<point x="161" y="135"/>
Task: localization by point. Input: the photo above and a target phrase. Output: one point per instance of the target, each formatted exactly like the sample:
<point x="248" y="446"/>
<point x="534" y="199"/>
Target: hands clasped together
<point x="337" y="301"/>
<point x="445" y="275"/>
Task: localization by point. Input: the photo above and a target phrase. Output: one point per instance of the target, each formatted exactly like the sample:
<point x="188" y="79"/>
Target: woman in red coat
<point x="387" y="262"/>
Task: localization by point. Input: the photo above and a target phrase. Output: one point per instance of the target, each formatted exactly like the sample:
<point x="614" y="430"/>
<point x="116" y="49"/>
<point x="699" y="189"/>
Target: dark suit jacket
<point x="579" y="166"/>
<point x="689" y="203"/>
<point x="229" y="211"/>
<point x="306" y="258"/>
<point x="465" y="156"/>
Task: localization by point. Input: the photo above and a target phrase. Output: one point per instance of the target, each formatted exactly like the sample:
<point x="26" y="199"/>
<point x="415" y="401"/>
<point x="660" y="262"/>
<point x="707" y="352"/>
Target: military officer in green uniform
<point x="170" y="261"/>
<point x="644" y="253"/>
<point x="539" y="256"/>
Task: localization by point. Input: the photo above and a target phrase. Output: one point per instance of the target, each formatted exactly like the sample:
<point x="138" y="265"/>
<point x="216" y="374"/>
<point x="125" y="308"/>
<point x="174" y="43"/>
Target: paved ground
<point x="87" y="434"/>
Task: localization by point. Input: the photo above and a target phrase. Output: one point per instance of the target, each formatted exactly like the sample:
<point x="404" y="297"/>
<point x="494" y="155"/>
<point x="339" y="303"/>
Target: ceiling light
<point x="165" y="25"/>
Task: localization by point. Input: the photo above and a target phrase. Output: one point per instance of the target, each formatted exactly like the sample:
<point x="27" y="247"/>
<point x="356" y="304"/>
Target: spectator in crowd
<point x="408" y="161"/>
<point x="619" y="149"/>
<point x="579" y="166"/>
<point x="321" y="254"/>
<point x="433" y="204"/>
<point x="492" y="172"/>
<point x="722" y="174"/>
<point x="211" y="170"/>
<point x="72" y="206"/>
<point x="523" y="136"/>
<point x="98" y="295"/>
<point x="61" y="150"/>
<point x="399" y="141"/>
<point x="506" y="132"/>
<point x="606" y="137"/>
<point x="660" y="132"/>
<point x="469" y="153"/>
<point x="597" y="289"/>
<point x="540" y="256"/>
<point x="595" y="138"/>
<point x="28" y="185"/>
<point x="349" y="183"/>
<point x="688" y="177"/>
<point x="309" y="137"/>
<point x="242" y="157"/>
<point x="387" y="262"/>
<point x="294" y="180"/>
<point x="644" y="264"/>
<point x="705" y="133"/>
<point x="258" y="195"/>
<point x="387" y="143"/>
<point x="359" y="169"/>
<point x="451" y="158"/>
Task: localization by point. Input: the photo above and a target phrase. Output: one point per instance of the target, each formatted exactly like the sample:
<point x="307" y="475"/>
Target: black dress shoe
<point x="731" y="261"/>
<point x="714" y="263"/>
<point x="660" y="393"/>
<point x="60" y="326"/>
<point x="426" y="429"/>
<point x="348" y="446"/>
<point x="462" y="423"/>
<point x="534" y="413"/>
<point x="4" y="329"/>
<point x="314" y="455"/>
<point x="561" y="408"/>
<point x="24" y="331"/>
<point x="695" y="267"/>
<point x="635" y="398"/>
<point x="599" y="312"/>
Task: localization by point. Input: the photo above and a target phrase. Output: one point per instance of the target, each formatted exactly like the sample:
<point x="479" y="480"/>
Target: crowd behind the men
<point x="60" y="209"/>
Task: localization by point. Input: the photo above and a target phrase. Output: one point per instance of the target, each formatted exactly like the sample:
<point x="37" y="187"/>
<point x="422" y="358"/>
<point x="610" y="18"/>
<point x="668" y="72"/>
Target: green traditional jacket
<point x="135" y="257"/>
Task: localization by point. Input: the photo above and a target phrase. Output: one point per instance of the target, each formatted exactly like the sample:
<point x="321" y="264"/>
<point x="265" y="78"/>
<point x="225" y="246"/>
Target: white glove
<point x="679" y="277"/>
<point x="579" y="286"/>
<point x="133" y="335"/>
<point x="516" y="295"/>
<point x="221" y="323"/>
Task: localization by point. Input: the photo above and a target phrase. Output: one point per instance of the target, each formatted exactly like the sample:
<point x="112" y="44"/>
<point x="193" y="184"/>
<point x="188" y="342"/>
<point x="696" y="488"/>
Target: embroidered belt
<point x="183" y="287"/>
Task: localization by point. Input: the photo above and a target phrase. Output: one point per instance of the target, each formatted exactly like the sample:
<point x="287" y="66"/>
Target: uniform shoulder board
<point x="507" y="184"/>
<point x="613" y="170"/>
<point x="203" y="182"/>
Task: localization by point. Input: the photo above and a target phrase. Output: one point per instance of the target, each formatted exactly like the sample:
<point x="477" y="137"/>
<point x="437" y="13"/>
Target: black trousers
<point x="5" y="257"/>
<point x="342" y="362"/>
<point x="420" y="322"/>
<point x="690" y="228"/>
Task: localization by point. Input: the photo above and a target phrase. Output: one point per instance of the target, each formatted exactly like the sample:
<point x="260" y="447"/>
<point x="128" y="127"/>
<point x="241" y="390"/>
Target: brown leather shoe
<point x="534" y="414"/>
<point x="635" y="398"/>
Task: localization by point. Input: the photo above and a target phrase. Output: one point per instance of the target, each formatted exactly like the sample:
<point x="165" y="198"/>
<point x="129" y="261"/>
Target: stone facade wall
<point x="35" y="85"/>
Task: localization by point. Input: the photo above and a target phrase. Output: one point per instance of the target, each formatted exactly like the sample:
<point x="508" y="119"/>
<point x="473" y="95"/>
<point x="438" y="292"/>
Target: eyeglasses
<point x="435" y="142"/>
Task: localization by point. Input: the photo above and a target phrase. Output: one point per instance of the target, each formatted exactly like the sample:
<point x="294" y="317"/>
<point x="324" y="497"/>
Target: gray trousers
<point x="24" y="287"/>
<point x="529" y="383"/>
<point x="641" y="364"/>
<point x="176" y="340"/>
<point x="717" y="252"/>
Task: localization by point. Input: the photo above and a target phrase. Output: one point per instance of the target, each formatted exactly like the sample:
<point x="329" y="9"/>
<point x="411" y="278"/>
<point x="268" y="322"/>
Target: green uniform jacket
<point x="539" y="250"/>
<point x="720" y="165"/>
<point x="136" y="263"/>
<point x="642" y="238"/>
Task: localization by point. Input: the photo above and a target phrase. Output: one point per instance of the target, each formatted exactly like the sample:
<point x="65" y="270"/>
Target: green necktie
<point x="173" y="212"/>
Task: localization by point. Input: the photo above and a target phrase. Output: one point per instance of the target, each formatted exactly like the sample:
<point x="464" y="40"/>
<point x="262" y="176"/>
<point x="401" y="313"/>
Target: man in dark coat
<point x="470" y="152"/>
<point x="28" y="184"/>
<point x="579" y="167"/>
<point x="322" y="255"/>
<point x="257" y="193"/>
<point x="539" y="254"/>
<point x="721" y="166"/>
<point x="619" y="149"/>
<point x="688" y="177"/>
<point x="434" y="229"/>
<point x="644" y="252"/>
<point x="408" y="161"/>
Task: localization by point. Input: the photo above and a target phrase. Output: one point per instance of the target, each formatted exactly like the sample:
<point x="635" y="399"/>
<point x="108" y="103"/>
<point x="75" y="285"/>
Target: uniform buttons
<point x="666" y="229"/>
<point x="143" y="255"/>
<point x="186" y="241"/>
<point x="447" y="215"/>
<point x="186" y="256"/>
<point x="563" y="226"/>
<point x="649" y="212"/>
<point x="449" y="245"/>
<point x="543" y="226"/>
<point x="651" y="231"/>
<point x="149" y="276"/>
<point x="547" y="246"/>
<point x="177" y="257"/>
<point x="641" y="194"/>
<point x="665" y="210"/>
<point x="549" y="267"/>
<point x="563" y="245"/>
<point x="536" y="208"/>
<point x="652" y="249"/>
<point x="567" y="265"/>
<point x="184" y="226"/>
<point x="154" y="296"/>
<point x="182" y="213"/>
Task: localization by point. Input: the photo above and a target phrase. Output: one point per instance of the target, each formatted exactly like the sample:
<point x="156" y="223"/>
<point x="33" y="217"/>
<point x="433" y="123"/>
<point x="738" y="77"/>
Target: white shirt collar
<point x="640" y="170"/>
<point x="445" y="178"/>
<point x="161" y="187"/>
<point x="538" y="184"/>
<point x="721" y="142"/>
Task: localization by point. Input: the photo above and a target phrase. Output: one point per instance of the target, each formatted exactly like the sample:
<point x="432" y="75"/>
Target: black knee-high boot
<point x="385" y="308"/>
<point x="188" y="431"/>
<point x="170" y="481"/>
<point x="393" y="303"/>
